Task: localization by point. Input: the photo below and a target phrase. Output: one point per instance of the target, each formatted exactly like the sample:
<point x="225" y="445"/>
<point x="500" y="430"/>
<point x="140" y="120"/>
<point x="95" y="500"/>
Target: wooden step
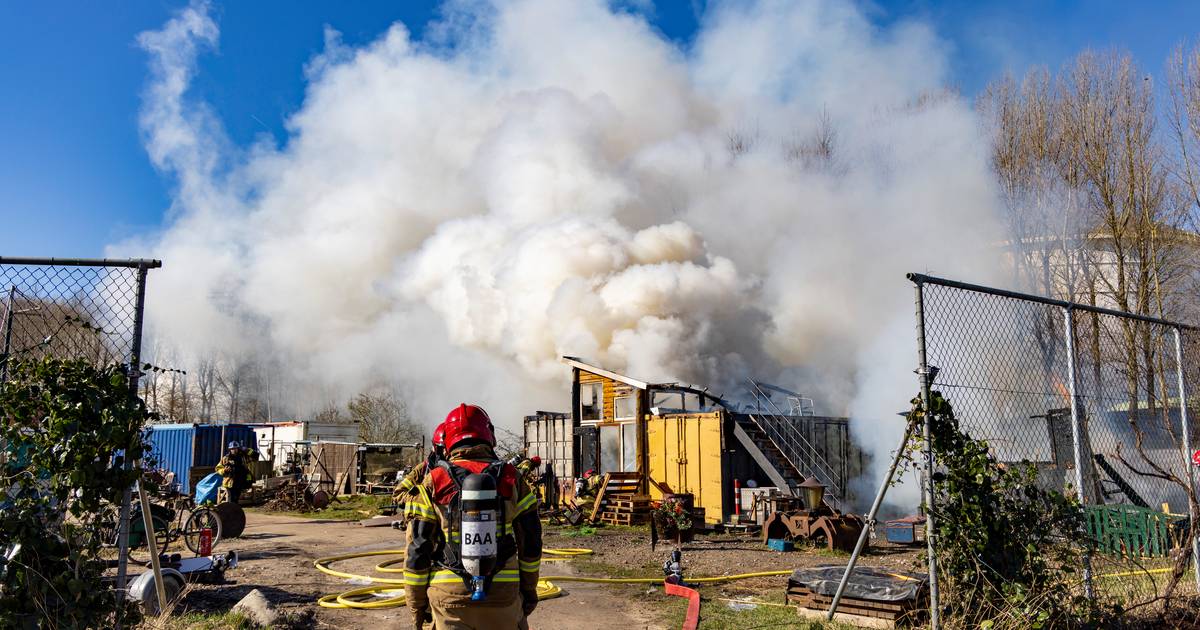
<point x="624" y="519"/>
<point x="626" y="510"/>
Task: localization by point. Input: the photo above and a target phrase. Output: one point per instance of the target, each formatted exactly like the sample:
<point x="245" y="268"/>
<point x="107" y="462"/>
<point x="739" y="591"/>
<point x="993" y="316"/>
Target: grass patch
<point x="590" y="566"/>
<point x="613" y="530"/>
<point x="349" y="508"/>
<point x="578" y="532"/>
<point x="202" y="621"/>
<point x="716" y="613"/>
<point x="823" y="551"/>
<point x="1128" y="582"/>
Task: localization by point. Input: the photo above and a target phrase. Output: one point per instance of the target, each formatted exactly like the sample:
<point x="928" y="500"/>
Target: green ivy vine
<point x="67" y="430"/>
<point x="1009" y="552"/>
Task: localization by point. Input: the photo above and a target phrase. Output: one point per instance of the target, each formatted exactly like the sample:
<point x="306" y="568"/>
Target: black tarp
<point x="865" y="583"/>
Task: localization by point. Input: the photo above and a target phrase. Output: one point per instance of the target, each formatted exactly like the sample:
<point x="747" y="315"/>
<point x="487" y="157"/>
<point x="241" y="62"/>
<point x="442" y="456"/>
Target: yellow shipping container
<point x="684" y="453"/>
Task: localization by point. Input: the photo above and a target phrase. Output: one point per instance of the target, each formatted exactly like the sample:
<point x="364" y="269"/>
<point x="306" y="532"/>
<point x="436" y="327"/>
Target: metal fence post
<point x="1187" y="453"/>
<point x="135" y="371"/>
<point x="931" y="547"/>
<point x="8" y="324"/>
<point x="1077" y="436"/>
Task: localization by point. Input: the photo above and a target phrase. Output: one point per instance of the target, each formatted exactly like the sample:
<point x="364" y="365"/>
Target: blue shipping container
<point x="180" y="447"/>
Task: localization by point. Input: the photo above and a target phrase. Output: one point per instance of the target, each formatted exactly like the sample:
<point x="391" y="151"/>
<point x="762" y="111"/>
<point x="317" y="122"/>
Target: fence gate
<point x="1098" y="400"/>
<point x="76" y="309"/>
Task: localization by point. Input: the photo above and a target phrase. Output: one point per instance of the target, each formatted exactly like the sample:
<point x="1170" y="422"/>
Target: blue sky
<point x="74" y="176"/>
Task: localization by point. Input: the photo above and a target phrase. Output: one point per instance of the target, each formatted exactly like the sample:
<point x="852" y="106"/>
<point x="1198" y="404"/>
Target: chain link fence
<point x="1099" y="401"/>
<point x="75" y="309"/>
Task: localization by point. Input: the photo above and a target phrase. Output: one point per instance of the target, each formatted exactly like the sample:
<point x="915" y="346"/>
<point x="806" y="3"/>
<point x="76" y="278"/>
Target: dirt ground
<point x="277" y="552"/>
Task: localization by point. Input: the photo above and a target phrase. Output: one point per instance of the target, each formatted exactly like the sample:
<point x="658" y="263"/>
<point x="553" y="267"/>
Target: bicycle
<point x="169" y="524"/>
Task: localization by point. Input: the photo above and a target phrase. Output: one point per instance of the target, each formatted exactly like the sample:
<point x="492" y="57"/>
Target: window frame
<point x="597" y="389"/>
<point x="617" y="407"/>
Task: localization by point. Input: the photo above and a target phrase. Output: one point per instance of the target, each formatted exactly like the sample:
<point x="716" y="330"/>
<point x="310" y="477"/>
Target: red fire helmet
<point x="439" y="435"/>
<point x="466" y="422"/>
<point x="537" y="461"/>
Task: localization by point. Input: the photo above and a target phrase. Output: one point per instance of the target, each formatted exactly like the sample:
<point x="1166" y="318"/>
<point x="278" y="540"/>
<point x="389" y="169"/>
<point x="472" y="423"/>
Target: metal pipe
<point x="135" y="367"/>
<point x="8" y="324"/>
<point x="152" y="545"/>
<point x="923" y="374"/>
<point x="1187" y="453"/>
<point x="920" y="279"/>
<point x="870" y="524"/>
<point x="136" y="263"/>
<point x="1077" y="437"/>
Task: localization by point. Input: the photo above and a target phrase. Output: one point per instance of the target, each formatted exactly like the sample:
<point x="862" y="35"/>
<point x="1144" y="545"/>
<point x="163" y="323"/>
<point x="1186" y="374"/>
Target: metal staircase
<point x="780" y="448"/>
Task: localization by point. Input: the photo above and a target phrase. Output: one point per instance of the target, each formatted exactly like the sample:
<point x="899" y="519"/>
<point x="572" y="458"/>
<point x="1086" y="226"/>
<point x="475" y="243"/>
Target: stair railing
<point x="795" y="448"/>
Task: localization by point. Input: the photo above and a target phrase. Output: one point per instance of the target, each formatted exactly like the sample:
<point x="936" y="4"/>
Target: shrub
<point x="1007" y="550"/>
<point x="67" y="428"/>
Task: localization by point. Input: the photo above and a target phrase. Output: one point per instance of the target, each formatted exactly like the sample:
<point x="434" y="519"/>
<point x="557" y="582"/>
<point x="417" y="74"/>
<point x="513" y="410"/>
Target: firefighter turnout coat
<point x="432" y="586"/>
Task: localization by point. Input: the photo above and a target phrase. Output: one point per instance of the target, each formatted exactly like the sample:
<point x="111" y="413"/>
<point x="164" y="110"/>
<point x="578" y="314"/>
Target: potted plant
<point x="673" y="519"/>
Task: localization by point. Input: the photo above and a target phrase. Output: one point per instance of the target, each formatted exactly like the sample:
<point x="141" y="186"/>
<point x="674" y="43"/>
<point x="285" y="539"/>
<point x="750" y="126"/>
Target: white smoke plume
<point x="536" y="178"/>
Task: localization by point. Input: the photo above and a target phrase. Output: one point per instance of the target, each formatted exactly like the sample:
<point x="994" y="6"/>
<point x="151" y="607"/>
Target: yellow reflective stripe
<point x="421" y="507"/>
<point x="419" y="511"/>
<point x="413" y="507"/>
<point x="445" y="576"/>
<point x="524" y="504"/>
<point x="416" y="578"/>
<point x="533" y="565"/>
<point x="418" y="506"/>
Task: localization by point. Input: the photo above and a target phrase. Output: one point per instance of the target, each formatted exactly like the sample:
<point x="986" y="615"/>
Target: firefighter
<point x="588" y="485"/>
<point x="529" y="468"/>
<point x="407" y="485"/>
<point x="235" y="472"/>
<point x="474" y="538"/>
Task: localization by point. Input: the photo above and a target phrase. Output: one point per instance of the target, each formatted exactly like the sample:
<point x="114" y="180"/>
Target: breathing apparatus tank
<point x="480" y="507"/>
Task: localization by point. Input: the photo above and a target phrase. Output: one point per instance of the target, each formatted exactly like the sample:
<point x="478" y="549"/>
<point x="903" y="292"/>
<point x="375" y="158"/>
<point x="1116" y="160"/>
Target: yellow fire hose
<point x="389" y="592"/>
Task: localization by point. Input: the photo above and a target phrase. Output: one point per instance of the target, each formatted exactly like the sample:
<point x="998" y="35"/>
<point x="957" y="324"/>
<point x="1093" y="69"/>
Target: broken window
<point x="591" y="401"/>
<point x="667" y="400"/>
<point x="626" y="407"/>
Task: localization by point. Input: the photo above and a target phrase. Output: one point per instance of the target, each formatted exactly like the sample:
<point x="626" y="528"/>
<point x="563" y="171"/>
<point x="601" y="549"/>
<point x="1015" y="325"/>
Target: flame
<point x="1062" y="389"/>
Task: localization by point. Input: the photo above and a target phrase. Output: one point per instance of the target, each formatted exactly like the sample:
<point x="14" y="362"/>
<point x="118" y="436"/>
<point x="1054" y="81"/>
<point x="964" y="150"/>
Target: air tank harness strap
<point x="451" y="561"/>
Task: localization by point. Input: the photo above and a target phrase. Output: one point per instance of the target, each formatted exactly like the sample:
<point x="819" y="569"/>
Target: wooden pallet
<point x="625" y="519"/>
<point x="888" y="611"/>
<point x="616" y="487"/>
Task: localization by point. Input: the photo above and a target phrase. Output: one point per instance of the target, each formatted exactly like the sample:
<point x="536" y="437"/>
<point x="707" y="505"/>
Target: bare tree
<point x="331" y="413"/>
<point x="230" y="375"/>
<point x="818" y="150"/>
<point x="1101" y="212"/>
<point x="206" y="388"/>
<point x="384" y="417"/>
<point x="1183" y="115"/>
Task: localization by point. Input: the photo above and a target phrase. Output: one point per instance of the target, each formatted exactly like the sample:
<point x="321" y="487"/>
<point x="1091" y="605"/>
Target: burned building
<point x="683" y="438"/>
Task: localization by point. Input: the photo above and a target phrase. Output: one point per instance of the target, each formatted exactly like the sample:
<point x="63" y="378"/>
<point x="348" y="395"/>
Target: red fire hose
<point x="693" y="596"/>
